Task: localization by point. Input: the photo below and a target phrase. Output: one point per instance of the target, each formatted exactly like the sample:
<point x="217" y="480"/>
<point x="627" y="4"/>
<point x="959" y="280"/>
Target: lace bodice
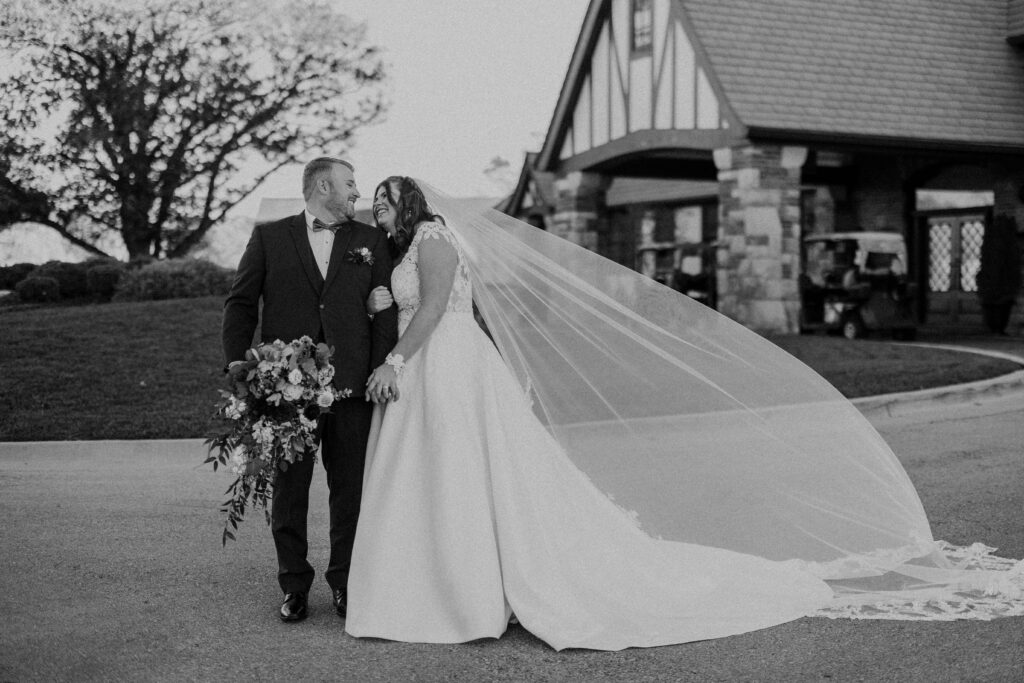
<point x="405" y="279"/>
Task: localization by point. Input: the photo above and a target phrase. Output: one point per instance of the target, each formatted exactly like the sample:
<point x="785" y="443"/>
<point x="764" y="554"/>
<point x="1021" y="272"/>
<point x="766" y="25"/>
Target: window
<point x="642" y="28"/>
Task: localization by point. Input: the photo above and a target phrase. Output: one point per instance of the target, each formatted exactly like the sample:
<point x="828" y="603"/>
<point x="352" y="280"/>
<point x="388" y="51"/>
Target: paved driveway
<point x="112" y="569"/>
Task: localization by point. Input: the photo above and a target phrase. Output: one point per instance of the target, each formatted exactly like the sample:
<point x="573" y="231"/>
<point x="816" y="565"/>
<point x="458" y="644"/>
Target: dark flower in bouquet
<point x="268" y="419"/>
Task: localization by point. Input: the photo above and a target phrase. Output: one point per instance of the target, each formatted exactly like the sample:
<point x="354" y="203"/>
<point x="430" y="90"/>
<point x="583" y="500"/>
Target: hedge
<point x="13" y="274"/>
<point x="38" y="289"/>
<point x="71" y="277"/>
<point x="173" y="279"/>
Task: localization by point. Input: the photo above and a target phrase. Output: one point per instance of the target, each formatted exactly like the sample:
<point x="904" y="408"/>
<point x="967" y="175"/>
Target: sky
<point x="468" y="80"/>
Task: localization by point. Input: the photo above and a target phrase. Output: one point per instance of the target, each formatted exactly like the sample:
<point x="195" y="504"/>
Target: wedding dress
<point x="471" y="512"/>
<point x="623" y="467"/>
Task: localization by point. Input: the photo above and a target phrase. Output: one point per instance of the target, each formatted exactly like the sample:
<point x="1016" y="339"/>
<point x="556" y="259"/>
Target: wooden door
<point x="951" y="257"/>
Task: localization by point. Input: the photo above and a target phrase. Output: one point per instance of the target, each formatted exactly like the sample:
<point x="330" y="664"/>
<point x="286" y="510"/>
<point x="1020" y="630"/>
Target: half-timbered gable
<point x="643" y="74"/>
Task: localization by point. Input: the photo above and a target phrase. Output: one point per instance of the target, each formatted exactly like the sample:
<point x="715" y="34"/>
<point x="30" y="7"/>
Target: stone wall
<point x="579" y="207"/>
<point x="759" y="228"/>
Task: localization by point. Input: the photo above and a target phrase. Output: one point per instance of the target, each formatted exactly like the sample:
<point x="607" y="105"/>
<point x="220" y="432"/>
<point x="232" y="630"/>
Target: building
<point x="698" y="141"/>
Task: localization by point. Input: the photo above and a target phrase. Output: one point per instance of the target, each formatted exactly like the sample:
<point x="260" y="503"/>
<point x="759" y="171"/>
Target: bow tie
<point x="319" y="225"/>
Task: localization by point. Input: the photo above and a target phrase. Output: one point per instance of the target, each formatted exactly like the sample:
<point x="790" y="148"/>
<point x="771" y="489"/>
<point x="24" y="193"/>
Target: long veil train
<point x="707" y="433"/>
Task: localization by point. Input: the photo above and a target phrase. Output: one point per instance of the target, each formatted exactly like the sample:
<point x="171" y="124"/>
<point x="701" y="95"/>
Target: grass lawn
<point x="151" y="370"/>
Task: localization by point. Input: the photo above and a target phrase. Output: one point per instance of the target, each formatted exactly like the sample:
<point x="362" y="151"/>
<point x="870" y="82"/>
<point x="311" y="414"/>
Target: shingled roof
<point x="924" y="70"/>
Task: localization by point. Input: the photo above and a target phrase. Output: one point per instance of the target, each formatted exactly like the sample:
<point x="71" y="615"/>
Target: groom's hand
<point x="380" y="299"/>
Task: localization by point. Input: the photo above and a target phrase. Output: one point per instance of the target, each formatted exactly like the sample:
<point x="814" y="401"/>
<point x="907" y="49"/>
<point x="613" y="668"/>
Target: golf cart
<point x="853" y="283"/>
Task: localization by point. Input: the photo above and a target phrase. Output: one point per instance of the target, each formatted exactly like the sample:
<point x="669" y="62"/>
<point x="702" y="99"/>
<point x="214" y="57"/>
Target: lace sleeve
<point x="434" y="230"/>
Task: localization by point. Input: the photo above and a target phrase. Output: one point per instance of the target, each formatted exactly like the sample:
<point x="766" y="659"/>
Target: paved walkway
<point x="112" y="569"/>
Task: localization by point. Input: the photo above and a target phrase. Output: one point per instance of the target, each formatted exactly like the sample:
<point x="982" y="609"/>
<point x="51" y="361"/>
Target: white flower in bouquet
<point x="307" y="423"/>
<point x="235" y="408"/>
<point x="239" y="460"/>
<point x="295" y="376"/>
<point x="325" y="376"/>
<point x="292" y="392"/>
<point x="263" y="433"/>
<point x="325" y="398"/>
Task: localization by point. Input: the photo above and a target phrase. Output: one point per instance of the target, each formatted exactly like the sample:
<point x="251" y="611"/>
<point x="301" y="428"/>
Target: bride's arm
<point x="437" y="264"/>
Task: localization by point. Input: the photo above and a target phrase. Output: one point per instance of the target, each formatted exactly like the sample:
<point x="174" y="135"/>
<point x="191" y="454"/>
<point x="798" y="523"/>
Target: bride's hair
<point x="411" y="207"/>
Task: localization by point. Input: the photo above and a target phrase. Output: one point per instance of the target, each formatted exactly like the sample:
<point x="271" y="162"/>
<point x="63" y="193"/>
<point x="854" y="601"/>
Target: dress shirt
<point x="322" y="241"/>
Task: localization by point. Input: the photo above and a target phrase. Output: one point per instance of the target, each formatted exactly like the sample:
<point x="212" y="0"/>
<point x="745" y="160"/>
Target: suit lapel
<point x="298" y="233"/>
<point x="338" y="251"/>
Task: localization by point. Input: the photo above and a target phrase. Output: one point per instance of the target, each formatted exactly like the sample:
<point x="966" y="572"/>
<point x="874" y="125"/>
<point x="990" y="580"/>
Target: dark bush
<point x="102" y="278"/>
<point x="999" y="278"/>
<point x="173" y="279"/>
<point x="13" y="274"/>
<point x="36" y="289"/>
<point x="70" y="276"/>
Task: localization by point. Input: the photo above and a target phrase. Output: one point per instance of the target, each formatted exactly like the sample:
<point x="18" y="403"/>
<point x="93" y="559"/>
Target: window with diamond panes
<point x="972" y="234"/>
<point x="940" y="256"/>
<point x="642" y="25"/>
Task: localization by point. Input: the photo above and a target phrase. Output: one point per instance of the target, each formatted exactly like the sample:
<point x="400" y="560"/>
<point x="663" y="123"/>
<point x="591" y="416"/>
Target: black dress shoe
<point x="294" y="607"/>
<point x="340" y="601"/>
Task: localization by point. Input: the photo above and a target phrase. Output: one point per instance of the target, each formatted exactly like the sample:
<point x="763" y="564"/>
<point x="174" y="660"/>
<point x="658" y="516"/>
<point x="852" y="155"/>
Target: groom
<point x="313" y="274"/>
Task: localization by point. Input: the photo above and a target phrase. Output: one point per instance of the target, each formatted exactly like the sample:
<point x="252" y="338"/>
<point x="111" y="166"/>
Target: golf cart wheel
<point x="853" y="327"/>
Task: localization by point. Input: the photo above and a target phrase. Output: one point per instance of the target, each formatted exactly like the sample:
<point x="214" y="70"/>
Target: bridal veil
<point x="708" y="433"/>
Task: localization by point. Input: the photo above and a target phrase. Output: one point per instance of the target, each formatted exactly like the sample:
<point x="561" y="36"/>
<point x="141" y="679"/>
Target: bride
<point x="616" y="465"/>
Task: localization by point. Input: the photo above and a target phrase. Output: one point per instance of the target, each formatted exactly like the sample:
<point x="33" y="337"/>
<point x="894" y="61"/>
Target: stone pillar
<point x="579" y="207"/>
<point x="758" y="235"/>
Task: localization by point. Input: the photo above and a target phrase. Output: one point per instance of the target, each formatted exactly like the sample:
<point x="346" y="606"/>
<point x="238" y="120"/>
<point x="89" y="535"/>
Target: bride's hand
<point x="382" y="386"/>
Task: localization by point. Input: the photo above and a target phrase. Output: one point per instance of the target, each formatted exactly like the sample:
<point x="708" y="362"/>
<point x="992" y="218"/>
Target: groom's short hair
<point x="315" y="169"/>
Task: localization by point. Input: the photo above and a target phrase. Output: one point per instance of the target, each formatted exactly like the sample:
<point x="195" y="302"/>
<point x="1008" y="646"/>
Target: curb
<point x="984" y="389"/>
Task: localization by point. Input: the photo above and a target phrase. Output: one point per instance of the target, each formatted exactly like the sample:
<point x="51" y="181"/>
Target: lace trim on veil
<point x="978" y="585"/>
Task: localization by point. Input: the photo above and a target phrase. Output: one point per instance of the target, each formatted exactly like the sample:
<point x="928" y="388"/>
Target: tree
<point x="144" y="116"/>
<point x="501" y="173"/>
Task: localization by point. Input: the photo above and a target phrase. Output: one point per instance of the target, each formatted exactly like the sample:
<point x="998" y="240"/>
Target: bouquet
<point x="268" y="419"/>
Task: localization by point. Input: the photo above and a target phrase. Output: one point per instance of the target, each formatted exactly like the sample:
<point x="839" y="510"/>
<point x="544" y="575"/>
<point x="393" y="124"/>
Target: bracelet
<point x="397" y="361"/>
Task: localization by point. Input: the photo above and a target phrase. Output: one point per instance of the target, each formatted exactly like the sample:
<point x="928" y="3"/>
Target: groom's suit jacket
<point x="278" y="267"/>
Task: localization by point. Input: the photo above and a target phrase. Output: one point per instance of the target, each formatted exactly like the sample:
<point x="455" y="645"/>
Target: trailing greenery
<point x="152" y="370"/>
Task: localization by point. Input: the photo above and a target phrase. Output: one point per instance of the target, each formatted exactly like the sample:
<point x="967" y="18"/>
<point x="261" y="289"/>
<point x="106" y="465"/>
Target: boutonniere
<point x="360" y="255"/>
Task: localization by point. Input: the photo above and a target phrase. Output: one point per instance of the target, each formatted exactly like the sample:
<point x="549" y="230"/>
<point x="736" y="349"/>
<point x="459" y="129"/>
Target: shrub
<point x="37" y="289"/>
<point x="13" y="274"/>
<point x="102" y="278"/>
<point x="999" y="276"/>
<point x="71" y="277"/>
<point x="173" y="279"/>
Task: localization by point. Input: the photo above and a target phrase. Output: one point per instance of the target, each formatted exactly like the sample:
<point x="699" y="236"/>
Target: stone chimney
<point x="1015" y="22"/>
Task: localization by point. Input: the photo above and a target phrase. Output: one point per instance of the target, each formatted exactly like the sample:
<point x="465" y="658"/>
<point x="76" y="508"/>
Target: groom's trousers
<point x="343" y="433"/>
